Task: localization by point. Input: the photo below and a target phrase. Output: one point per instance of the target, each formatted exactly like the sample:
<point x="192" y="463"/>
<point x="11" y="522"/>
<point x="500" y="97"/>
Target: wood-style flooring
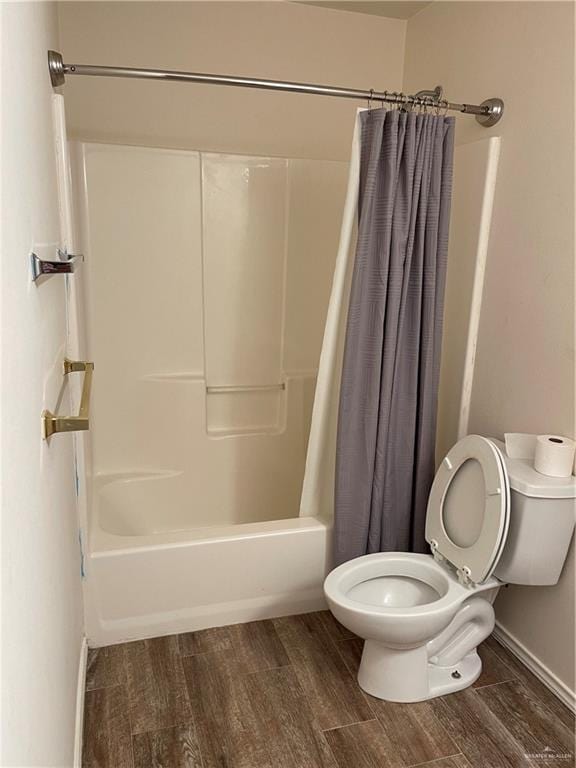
<point x="282" y="693"/>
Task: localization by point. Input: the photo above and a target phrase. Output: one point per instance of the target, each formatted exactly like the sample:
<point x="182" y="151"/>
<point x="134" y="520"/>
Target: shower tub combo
<point x="206" y="283"/>
<point x="144" y="583"/>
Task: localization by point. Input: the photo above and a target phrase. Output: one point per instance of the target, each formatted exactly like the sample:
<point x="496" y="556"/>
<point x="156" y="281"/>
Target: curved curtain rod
<point x="487" y="113"/>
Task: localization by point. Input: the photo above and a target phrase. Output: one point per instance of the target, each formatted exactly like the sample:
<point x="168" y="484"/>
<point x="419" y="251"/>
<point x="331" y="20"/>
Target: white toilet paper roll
<point x="554" y="455"/>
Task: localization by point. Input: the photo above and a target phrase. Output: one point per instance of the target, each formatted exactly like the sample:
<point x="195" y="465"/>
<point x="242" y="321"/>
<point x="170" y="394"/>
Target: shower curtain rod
<point x="487" y="113"/>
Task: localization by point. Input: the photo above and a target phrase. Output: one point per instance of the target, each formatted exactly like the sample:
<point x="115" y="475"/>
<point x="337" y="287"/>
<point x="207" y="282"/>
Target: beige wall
<point x="274" y="40"/>
<point x="523" y="379"/>
<point x="41" y="594"/>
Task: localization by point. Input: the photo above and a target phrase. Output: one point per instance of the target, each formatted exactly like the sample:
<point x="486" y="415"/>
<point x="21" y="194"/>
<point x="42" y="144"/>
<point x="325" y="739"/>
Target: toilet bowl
<point x="413" y="615"/>
<point x="422" y="616"/>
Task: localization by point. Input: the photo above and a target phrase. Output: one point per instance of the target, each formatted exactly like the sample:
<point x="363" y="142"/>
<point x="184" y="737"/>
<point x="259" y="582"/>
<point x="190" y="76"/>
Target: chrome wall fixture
<point x="52" y="423"/>
<point x="64" y="265"/>
<point x="487" y="113"/>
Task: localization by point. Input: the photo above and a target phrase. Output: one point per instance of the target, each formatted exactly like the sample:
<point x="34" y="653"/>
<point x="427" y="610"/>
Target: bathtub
<point x="147" y="575"/>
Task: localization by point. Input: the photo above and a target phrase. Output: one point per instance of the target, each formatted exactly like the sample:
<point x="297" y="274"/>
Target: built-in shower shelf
<point x="248" y="432"/>
<point x="234" y="410"/>
<point x="176" y="376"/>
<point x="231" y="389"/>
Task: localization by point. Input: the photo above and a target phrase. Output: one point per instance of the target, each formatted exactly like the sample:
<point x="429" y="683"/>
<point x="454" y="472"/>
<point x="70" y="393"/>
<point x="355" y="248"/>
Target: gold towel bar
<point x="53" y="423"/>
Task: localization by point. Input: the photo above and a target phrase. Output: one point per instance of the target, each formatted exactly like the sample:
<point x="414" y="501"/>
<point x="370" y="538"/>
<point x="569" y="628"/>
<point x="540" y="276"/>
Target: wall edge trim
<point x="530" y="660"/>
<point x="80" y="694"/>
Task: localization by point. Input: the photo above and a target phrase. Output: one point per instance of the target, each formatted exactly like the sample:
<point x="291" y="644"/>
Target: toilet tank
<point x="542" y="517"/>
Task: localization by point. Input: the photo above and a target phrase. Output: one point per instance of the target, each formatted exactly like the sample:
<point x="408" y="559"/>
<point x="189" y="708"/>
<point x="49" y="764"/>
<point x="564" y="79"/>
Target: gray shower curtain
<point x="389" y="385"/>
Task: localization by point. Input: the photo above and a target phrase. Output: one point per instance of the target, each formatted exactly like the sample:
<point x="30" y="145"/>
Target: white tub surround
<point x="207" y="280"/>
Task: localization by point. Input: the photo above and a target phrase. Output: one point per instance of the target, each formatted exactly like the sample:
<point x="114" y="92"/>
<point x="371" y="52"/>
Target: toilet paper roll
<point x="554" y="455"/>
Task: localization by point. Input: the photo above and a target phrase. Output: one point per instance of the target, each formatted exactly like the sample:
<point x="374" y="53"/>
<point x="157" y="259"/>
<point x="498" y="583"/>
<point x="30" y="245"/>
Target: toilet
<point x="491" y="520"/>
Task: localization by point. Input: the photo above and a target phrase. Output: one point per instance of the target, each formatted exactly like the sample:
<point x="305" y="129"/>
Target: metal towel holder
<point x="52" y="423"/>
<point x="64" y="265"/>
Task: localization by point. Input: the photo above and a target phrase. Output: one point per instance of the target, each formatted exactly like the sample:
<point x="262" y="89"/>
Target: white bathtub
<point x="144" y="578"/>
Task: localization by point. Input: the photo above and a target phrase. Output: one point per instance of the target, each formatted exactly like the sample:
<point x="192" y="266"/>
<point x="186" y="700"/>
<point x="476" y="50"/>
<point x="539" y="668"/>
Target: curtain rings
<point x="370" y="98"/>
<point x="441" y="108"/>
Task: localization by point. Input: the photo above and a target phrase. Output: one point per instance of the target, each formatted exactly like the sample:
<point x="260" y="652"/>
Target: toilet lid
<point x="469" y="507"/>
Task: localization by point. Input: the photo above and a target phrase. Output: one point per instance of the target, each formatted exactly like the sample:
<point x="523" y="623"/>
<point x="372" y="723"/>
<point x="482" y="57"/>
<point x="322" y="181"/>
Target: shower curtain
<point x="388" y="391"/>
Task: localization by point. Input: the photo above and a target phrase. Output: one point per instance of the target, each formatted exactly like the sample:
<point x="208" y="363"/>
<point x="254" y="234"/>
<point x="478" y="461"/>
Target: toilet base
<point x="408" y="676"/>
<point x="442" y="680"/>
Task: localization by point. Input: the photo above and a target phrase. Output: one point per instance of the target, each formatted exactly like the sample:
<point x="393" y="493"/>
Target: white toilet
<point x="491" y="520"/>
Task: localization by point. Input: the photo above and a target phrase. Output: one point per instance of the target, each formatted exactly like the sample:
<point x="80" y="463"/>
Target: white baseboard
<point x="545" y="675"/>
<point x="81" y="687"/>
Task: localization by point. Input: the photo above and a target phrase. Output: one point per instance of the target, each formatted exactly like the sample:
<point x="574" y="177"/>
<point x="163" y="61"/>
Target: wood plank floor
<point x="282" y="693"/>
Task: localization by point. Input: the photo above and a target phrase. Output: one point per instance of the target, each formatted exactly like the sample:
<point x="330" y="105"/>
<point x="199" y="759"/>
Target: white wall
<point x="475" y="171"/>
<point x="41" y="596"/>
<point x="524" y="374"/>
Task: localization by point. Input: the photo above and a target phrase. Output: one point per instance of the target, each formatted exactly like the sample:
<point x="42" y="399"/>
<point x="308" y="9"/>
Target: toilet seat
<point x="469" y="509"/>
<point x="401" y="625"/>
<point x="342" y="581"/>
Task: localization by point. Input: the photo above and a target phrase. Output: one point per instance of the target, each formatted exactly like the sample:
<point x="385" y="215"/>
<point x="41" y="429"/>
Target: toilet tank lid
<point x="524" y="479"/>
